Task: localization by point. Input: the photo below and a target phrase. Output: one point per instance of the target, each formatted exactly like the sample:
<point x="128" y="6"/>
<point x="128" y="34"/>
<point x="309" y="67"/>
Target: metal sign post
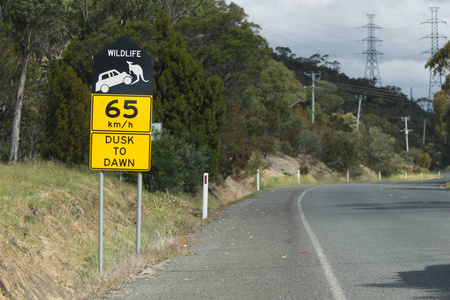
<point x="139" y="208"/>
<point x="100" y="224"/>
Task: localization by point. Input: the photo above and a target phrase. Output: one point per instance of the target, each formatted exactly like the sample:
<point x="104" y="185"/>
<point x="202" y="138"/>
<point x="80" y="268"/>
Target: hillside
<point x="49" y="221"/>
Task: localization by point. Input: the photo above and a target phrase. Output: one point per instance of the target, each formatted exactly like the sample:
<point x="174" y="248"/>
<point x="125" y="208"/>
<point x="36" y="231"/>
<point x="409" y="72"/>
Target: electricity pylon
<point x="372" y="71"/>
<point x="435" y="79"/>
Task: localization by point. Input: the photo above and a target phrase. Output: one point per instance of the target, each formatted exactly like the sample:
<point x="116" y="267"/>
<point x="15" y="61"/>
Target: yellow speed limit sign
<point x="121" y="132"/>
<point x="121" y="113"/>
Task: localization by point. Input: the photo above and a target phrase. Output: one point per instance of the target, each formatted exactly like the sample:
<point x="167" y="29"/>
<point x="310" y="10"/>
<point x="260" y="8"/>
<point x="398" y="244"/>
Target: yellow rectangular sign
<point x="120" y="151"/>
<point x="121" y="113"/>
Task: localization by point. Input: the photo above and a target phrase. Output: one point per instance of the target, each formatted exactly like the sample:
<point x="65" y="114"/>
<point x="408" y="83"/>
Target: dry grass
<point x="268" y="182"/>
<point x="49" y="230"/>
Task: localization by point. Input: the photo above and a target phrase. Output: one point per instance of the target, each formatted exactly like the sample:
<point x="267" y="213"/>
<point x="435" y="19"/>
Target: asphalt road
<point x="349" y="241"/>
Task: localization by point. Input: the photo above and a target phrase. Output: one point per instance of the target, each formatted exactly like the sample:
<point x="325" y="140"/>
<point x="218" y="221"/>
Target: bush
<point x="176" y="164"/>
<point x="424" y="160"/>
<point x="304" y="170"/>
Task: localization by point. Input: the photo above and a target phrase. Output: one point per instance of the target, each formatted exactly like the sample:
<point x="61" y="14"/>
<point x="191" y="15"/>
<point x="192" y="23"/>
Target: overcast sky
<point x="335" y="28"/>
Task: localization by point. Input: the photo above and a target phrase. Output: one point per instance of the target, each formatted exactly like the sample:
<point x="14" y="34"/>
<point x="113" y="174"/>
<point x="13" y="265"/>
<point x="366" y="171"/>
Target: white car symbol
<point x="111" y="78"/>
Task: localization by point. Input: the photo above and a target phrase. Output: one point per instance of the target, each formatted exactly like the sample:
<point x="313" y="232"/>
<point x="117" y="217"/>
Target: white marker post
<point x="421" y="175"/>
<point x="298" y="176"/>
<point x="205" y="196"/>
<point x="379" y="176"/>
<point x="348" y="176"/>
<point x="406" y="175"/>
<point x="257" y="179"/>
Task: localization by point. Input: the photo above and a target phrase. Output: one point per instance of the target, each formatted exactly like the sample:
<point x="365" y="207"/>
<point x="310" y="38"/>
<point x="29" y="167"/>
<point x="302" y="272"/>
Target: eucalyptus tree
<point x="38" y="26"/>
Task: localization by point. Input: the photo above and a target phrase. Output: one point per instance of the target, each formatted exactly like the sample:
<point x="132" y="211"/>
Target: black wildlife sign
<point x="122" y="68"/>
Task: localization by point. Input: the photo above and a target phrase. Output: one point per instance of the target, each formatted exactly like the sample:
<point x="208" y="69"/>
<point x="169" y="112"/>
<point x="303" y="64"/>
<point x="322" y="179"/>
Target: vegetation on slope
<point x="49" y="230"/>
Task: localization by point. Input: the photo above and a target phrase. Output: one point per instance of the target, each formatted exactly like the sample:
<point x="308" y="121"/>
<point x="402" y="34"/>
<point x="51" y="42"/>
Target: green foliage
<point x="256" y="162"/>
<point x="371" y="120"/>
<point x="9" y="74"/>
<point x="310" y="143"/>
<point x="338" y="150"/>
<point x="268" y="106"/>
<point x="424" y="160"/>
<point x="38" y="24"/>
<point x="228" y="45"/>
<point x="217" y="87"/>
<point x="177" y="165"/>
<point x="304" y="170"/>
<point x="440" y="62"/>
<point x="184" y="101"/>
<point x="382" y="157"/>
<point x="235" y="151"/>
<point x="327" y="98"/>
<point x="68" y="115"/>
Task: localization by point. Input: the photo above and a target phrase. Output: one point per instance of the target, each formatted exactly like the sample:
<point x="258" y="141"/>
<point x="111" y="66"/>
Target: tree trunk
<point x="14" y="145"/>
<point x="86" y="15"/>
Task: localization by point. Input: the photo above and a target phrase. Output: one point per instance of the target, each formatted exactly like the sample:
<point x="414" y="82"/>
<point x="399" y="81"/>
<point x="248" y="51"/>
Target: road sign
<point x="121" y="113"/>
<point x="121" y="108"/>
<point x="120" y="151"/>
<point x="122" y="68"/>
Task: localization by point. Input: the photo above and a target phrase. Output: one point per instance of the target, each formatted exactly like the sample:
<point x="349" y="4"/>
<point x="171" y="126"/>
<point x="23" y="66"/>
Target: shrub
<point x="424" y="160"/>
<point x="176" y="164"/>
<point x="304" y="170"/>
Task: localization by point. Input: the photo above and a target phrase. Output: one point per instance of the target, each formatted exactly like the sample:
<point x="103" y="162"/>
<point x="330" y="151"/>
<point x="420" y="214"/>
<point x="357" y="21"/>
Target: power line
<point x="369" y="91"/>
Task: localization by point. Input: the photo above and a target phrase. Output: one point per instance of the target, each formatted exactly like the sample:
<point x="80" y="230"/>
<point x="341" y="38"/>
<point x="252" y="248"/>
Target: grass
<point x="287" y="180"/>
<point x="49" y="230"/>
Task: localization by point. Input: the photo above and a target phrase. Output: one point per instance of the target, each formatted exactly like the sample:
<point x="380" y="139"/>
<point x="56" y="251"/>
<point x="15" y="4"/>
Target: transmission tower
<point x="435" y="79"/>
<point x="372" y="72"/>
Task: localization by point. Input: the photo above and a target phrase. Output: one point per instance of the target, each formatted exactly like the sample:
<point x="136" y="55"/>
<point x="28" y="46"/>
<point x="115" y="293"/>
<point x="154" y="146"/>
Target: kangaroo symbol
<point x="137" y="70"/>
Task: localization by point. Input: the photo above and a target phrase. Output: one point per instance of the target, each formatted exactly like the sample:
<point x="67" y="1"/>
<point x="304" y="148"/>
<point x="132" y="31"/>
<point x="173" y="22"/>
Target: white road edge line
<point x="331" y="279"/>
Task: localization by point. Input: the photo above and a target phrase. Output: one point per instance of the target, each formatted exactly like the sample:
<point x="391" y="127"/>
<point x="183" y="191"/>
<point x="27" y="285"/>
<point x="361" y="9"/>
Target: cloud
<point x="335" y="28"/>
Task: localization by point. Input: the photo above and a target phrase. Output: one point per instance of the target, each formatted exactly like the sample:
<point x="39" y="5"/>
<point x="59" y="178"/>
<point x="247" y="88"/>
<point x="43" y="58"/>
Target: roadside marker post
<point x="121" y="119"/>
<point x="348" y="176"/>
<point x="205" y="196"/>
<point x="421" y="175"/>
<point x="257" y="179"/>
<point x="379" y="176"/>
<point x="298" y="176"/>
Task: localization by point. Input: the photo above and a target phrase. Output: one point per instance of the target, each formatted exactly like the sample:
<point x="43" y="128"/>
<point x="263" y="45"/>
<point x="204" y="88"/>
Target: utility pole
<point x="424" y="129"/>
<point x="406" y="119"/>
<point x="313" y="75"/>
<point x="359" y="111"/>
